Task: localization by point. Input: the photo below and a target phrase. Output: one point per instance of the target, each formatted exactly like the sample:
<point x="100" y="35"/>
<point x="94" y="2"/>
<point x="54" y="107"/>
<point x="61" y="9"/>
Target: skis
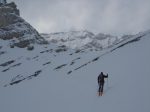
<point x="100" y="93"/>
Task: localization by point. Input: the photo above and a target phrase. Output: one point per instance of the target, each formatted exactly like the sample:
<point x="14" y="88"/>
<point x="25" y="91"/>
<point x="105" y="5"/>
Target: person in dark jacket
<point x="101" y="82"/>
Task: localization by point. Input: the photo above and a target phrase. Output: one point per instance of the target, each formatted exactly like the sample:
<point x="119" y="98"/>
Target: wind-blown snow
<point x="127" y="89"/>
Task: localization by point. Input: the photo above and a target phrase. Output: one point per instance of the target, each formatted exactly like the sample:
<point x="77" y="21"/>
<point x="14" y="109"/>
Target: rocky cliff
<point x="16" y="29"/>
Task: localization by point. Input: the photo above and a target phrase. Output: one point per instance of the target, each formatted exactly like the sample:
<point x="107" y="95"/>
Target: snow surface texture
<point x="58" y="79"/>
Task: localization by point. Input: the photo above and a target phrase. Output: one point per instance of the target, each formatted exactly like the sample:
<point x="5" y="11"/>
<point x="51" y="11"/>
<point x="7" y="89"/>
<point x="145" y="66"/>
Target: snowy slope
<point x="55" y="78"/>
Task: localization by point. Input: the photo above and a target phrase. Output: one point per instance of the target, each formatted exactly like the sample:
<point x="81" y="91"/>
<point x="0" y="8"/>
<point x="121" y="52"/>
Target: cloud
<point x="106" y="16"/>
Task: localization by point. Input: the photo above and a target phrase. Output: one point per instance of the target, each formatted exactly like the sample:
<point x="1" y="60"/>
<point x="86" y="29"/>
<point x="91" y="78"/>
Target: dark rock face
<point x="12" y="26"/>
<point x="8" y="14"/>
<point x="3" y="2"/>
<point x="14" y="7"/>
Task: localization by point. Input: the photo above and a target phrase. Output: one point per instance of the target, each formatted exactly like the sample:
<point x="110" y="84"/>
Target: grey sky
<point x="106" y="16"/>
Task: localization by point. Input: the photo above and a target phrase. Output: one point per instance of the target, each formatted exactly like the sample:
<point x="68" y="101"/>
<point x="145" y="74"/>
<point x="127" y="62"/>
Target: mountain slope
<point x="62" y="75"/>
<point x="82" y="40"/>
<point x="45" y="86"/>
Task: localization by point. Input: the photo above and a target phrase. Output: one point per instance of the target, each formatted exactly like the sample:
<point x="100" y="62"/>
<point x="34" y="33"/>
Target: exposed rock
<point x="30" y="47"/>
<point x="3" y="2"/>
<point x="7" y="63"/>
<point x="12" y="26"/>
<point x="22" y="44"/>
<point x="61" y="50"/>
<point x="8" y="14"/>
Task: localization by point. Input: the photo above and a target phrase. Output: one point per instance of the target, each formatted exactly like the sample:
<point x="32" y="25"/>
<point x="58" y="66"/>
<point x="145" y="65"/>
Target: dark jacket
<point x="101" y="78"/>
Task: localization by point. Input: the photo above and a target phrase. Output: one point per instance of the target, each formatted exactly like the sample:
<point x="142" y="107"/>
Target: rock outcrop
<point x="8" y="14"/>
<point x="15" y="28"/>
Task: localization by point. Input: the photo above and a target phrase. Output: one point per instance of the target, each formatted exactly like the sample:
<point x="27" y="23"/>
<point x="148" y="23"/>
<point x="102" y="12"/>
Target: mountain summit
<point x="15" y="28"/>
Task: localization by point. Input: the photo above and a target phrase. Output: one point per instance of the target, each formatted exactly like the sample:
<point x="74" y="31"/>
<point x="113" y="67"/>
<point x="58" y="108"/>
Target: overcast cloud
<point x="116" y="17"/>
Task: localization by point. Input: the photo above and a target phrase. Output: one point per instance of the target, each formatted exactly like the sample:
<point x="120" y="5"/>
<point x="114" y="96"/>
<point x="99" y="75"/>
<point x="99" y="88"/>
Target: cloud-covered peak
<point x="106" y="16"/>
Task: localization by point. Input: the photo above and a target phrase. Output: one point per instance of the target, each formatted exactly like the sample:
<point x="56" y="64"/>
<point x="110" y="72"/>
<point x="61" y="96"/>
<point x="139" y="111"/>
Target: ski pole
<point x="107" y="82"/>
